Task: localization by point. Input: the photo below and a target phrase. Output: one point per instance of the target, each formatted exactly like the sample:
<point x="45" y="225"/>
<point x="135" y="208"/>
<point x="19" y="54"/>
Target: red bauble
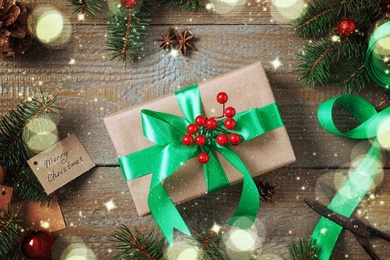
<point x="203" y="157"/>
<point x="230" y="123"/>
<point x="211" y="123"/>
<point x="230" y="112"/>
<point x="222" y="139"/>
<point x="200" y="140"/>
<point x="200" y="120"/>
<point x="234" y="139"/>
<point x="37" y="245"/>
<point x="187" y="140"/>
<point x="346" y="27"/>
<point x="222" y="97"/>
<point x="192" y="129"/>
<point x="128" y="3"/>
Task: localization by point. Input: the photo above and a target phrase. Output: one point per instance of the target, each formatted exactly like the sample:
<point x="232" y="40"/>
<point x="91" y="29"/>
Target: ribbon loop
<point x="355" y="188"/>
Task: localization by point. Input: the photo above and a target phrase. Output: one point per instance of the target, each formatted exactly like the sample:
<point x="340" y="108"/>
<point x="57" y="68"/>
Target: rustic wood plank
<point x="280" y="222"/>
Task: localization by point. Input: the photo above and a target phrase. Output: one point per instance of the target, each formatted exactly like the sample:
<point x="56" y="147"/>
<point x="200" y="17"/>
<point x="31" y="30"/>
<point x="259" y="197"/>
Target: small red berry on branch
<point x="230" y="123"/>
<point x="235" y="139"/>
<point x="192" y="129"/>
<point x="222" y="139"/>
<point x="222" y="97"/>
<point x="187" y="140"/>
<point x="200" y="120"/>
<point x="203" y="157"/>
<point x="200" y="140"/>
<point x="230" y="112"/>
<point x="211" y="123"/>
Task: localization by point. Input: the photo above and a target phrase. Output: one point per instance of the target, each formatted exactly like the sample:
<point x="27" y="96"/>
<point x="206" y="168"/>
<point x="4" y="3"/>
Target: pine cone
<point x="266" y="191"/>
<point x="15" y="31"/>
<point x="384" y="8"/>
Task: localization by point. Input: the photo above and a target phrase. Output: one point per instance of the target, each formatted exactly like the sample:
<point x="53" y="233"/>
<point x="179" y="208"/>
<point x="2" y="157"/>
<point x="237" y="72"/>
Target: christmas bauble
<point x="128" y="3"/>
<point x="37" y="245"/>
<point x="346" y="27"/>
<point x="3" y="173"/>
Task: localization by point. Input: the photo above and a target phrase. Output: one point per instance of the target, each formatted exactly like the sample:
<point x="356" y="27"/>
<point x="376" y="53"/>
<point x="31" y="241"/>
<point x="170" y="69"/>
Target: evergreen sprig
<point x="126" y="30"/>
<point x="136" y="246"/>
<point x="330" y="58"/>
<point x="304" y="249"/>
<point x="208" y="242"/>
<point x="14" y="151"/>
<point x="94" y="7"/>
<point x="188" y="5"/>
<point x="10" y="232"/>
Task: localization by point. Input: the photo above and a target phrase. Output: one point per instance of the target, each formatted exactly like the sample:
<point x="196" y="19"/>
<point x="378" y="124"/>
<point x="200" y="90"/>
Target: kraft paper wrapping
<point x="247" y="88"/>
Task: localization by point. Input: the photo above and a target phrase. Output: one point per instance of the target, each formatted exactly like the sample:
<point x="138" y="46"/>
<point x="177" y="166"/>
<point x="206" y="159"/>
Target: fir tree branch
<point x="126" y="28"/>
<point x="354" y="76"/>
<point x="135" y="246"/>
<point x="209" y="242"/>
<point x="188" y="5"/>
<point x="10" y="232"/>
<point x="94" y="7"/>
<point x="316" y="21"/>
<point x="304" y="249"/>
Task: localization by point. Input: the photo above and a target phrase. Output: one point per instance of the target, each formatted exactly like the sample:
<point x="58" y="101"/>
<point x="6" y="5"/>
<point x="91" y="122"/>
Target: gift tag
<point x="34" y="216"/>
<point x="5" y="197"/>
<point x="61" y="163"/>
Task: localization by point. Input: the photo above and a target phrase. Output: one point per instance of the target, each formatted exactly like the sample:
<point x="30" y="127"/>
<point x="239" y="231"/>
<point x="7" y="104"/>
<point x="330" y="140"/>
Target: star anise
<point x="183" y="40"/>
<point x="166" y="39"/>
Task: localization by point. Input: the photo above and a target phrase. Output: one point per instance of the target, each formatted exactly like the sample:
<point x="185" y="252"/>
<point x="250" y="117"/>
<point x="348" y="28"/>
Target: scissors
<point x="361" y="231"/>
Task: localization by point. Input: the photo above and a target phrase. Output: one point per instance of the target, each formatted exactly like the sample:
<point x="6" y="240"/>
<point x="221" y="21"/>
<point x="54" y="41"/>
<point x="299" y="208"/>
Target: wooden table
<point x="93" y="87"/>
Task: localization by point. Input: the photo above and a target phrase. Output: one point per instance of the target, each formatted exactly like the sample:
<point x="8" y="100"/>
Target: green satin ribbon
<point x="378" y="70"/>
<point x="169" y="154"/>
<point x="355" y="188"/>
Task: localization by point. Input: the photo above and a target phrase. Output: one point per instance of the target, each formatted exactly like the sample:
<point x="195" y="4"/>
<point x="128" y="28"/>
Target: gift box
<point x="248" y="88"/>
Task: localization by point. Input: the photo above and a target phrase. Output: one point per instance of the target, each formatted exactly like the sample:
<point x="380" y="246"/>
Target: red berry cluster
<point x="205" y="129"/>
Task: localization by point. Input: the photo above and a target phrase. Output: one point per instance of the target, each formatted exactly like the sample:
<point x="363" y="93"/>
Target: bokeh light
<point x="182" y="250"/>
<point x="40" y="134"/>
<point x="78" y="251"/>
<point x="284" y="11"/>
<point x="243" y="243"/>
<point x="224" y="7"/>
<point x="51" y="27"/>
<point x="383" y="134"/>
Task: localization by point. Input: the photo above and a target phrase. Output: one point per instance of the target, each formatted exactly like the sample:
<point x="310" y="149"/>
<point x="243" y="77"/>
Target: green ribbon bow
<point x="376" y="67"/>
<point x="169" y="154"/>
<point x="355" y="188"/>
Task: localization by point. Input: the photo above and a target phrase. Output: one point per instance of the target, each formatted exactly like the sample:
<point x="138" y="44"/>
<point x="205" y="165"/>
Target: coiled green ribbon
<point x="169" y="154"/>
<point x="378" y="70"/>
<point x="355" y="188"/>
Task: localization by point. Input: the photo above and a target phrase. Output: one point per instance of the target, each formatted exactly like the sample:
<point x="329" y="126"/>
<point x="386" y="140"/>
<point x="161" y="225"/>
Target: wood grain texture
<point x="93" y="87"/>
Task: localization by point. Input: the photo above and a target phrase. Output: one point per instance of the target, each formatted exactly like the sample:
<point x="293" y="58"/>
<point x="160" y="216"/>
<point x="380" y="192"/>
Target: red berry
<point x="230" y="123"/>
<point x="200" y="120"/>
<point x="200" y="140"/>
<point x="211" y="123"/>
<point x="222" y="97"/>
<point x="222" y="139"/>
<point x="230" y="112"/>
<point x="235" y="139"/>
<point x="128" y="3"/>
<point x="203" y="157"/>
<point x="187" y="140"/>
<point x="192" y="129"/>
<point x="346" y="27"/>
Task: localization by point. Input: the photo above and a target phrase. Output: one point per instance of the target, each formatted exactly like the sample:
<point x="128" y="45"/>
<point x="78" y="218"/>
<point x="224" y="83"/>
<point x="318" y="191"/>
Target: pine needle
<point x="94" y="7"/>
<point x="136" y="246"/>
<point x="304" y="250"/>
<point x="209" y="243"/>
<point x="126" y="29"/>
<point x="10" y="232"/>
